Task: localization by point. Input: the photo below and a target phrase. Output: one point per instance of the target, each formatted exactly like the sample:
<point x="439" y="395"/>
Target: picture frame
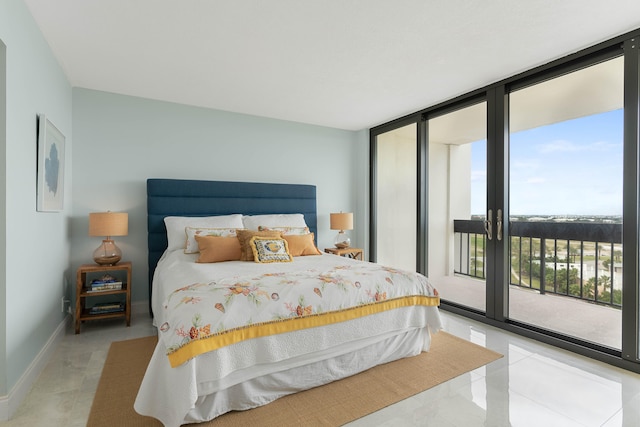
<point x="50" y="167"/>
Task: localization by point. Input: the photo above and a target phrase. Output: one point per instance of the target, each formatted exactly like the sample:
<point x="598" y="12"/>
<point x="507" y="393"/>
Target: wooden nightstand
<point x="84" y="292"/>
<point x="353" y="253"/>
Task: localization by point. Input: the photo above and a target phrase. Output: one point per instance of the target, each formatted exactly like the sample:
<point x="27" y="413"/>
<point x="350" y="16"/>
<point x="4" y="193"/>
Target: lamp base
<point x="342" y="241"/>
<point x="107" y="253"/>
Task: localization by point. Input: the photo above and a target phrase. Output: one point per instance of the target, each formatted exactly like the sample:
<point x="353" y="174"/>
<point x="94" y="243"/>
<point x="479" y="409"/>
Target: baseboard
<point x="9" y="404"/>
<point x="4" y="408"/>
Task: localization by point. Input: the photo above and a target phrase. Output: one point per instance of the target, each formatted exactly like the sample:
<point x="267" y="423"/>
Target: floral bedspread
<point x="203" y="317"/>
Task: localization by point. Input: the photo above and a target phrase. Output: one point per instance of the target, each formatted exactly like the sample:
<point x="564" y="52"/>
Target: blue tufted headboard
<point x="177" y="197"/>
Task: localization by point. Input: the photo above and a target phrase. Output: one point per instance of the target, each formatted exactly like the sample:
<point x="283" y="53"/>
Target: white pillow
<point x="252" y="222"/>
<point x="176" y="237"/>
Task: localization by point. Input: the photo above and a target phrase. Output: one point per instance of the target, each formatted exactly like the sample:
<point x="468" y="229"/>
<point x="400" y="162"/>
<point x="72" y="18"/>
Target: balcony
<point x="580" y="291"/>
<point x="562" y="154"/>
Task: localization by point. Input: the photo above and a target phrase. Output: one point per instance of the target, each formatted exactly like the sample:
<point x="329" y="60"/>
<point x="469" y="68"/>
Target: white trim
<point x="9" y="404"/>
<point x="4" y="408"/>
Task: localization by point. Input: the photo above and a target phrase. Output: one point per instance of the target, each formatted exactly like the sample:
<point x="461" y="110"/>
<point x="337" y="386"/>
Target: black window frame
<point x="496" y="95"/>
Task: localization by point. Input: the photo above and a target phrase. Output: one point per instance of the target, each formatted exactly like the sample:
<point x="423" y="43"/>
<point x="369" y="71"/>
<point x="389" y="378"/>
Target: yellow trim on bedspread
<point x="232" y="336"/>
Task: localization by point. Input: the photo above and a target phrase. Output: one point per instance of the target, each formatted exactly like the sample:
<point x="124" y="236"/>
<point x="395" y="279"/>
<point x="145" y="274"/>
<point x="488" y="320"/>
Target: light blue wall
<point x="113" y="144"/>
<point x="120" y="141"/>
<point x="36" y="244"/>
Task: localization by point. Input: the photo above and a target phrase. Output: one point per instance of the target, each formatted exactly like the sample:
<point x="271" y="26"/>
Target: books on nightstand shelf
<point x="107" y="307"/>
<point x="105" y="283"/>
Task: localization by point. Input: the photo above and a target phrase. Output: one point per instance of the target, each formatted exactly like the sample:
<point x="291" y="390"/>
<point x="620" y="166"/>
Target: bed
<point x="236" y="334"/>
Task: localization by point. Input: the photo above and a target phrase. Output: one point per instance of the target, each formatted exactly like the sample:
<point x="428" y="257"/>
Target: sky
<point x="568" y="168"/>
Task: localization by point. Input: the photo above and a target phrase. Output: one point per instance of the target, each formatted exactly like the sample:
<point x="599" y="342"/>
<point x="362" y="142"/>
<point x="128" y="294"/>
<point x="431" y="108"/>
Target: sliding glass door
<point x="521" y="202"/>
<point x="565" y="200"/>
<point x="457" y="195"/>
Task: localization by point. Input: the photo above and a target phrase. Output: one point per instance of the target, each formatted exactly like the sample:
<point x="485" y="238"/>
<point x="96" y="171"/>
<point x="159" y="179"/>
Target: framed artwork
<point x="50" y="187"/>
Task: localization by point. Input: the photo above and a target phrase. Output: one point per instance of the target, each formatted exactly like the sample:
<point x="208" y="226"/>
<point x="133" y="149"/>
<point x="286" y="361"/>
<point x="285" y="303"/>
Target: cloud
<point x="560" y="145"/>
<point x="565" y="146"/>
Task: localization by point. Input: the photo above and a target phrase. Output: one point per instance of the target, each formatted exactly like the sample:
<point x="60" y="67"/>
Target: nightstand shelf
<point x="353" y="253"/>
<point x="87" y="315"/>
<point x="123" y="295"/>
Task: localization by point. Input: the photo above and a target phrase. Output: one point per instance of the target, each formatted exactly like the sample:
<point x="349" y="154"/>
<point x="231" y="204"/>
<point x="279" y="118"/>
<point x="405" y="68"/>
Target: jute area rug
<point x="333" y="404"/>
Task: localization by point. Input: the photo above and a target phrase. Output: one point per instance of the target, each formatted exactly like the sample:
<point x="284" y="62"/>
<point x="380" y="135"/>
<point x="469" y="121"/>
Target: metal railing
<point x="575" y="259"/>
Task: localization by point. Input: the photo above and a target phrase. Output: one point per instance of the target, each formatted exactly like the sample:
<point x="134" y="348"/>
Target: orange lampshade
<point x="108" y="224"/>
<point x="341" y="221"/>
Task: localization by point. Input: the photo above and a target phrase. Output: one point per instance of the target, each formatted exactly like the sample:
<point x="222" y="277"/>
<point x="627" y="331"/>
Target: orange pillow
<point x="301" y="245"/>
<point x="218" y="249"/>
<point x="244" y="237"/>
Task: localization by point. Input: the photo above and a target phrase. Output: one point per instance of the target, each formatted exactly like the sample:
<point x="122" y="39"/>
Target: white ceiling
<point x="347" y="64"/>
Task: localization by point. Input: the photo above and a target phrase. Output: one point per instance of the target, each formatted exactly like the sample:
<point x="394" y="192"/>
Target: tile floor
<point x="62" y="394"/>
<point x="533" y="385"/>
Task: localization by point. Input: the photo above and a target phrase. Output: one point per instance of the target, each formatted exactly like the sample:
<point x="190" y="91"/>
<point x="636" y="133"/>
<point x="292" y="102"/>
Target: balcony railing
<point x="579" y="260"/>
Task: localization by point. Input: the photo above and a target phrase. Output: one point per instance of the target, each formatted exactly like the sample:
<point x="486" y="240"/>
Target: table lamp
<point x="108" y="224"/>
<point x="341" y="221"/>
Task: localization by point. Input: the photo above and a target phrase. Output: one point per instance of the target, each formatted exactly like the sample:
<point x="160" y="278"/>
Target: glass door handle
<point x="488" y="226"/>
<point x="499" y="225"/>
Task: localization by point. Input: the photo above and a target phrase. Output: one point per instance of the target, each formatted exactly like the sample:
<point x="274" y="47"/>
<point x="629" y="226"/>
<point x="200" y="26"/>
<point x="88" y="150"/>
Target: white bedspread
<point x="171" y="394"/>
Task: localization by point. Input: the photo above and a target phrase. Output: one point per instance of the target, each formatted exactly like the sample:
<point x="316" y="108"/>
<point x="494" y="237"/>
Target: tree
<point x="573" y="253"/>
<point x="617" y="255"/>
<point x="588" y="289"/>
<point x="561" y="278"/>
<point x="605" y="282"/>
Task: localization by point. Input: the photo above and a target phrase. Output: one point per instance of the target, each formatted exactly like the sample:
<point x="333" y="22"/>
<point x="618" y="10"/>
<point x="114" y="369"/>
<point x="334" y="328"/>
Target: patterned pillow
<point x="286" y="231"/>
<point x="192" y="246"/>
<point x="244" y="236"/>
<point x="268" y="249"/>
<point x="176" y="225"/>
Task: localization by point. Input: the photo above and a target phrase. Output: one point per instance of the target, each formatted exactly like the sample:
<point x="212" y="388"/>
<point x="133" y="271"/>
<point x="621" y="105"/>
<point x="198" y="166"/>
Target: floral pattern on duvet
<point x="205" y="310"/>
